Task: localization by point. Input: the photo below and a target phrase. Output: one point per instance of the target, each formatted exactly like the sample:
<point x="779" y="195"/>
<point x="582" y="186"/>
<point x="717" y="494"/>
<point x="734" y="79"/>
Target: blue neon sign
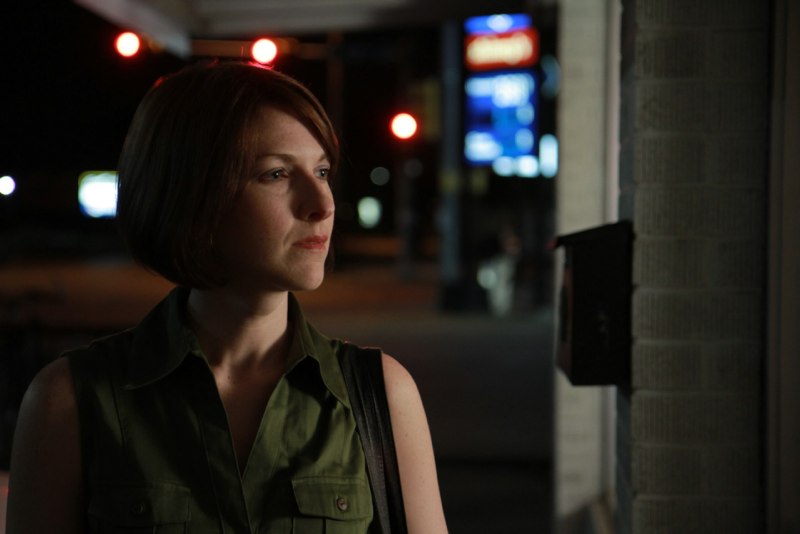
<point x="497" y="24"/>
<point x="500" y="118"/>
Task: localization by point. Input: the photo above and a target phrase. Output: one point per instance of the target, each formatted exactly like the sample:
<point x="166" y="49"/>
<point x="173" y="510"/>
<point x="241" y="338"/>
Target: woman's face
<point x="276" y="236"/>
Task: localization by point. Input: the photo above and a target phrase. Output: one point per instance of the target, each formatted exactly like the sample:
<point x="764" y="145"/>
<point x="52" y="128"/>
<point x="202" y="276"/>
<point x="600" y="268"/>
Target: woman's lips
<point x="315" y="242"/>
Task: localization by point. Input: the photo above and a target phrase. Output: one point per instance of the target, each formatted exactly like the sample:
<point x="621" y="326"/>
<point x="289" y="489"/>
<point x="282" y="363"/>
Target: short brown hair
<point x="188" y="154"/>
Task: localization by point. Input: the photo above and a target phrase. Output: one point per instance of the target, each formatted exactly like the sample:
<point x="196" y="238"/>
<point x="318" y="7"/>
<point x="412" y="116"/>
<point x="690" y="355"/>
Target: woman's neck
<point x="240" y="332"/>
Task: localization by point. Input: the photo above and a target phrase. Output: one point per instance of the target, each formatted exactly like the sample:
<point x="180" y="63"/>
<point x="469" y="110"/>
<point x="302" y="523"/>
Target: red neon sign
<point x="518" y="48"/>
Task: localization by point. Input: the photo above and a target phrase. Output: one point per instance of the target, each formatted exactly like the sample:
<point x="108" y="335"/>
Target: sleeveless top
<point x="157" y="451"/>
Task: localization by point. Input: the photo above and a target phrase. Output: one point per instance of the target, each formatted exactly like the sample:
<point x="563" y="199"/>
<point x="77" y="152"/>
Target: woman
<point x="223" y="410"/>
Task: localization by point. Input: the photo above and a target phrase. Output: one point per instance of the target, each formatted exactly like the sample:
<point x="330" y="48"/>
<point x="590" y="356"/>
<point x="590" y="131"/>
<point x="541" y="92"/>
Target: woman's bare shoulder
<point x="415" y="457"/>
<point x="51" y="389"/>
<point x="397" y="378"/>
<point x="45" y="456"/>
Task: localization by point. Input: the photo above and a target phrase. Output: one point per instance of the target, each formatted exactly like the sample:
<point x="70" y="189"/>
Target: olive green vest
<point x="157" y="452"/>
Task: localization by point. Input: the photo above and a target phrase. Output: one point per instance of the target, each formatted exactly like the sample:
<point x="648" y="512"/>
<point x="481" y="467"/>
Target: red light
<point x="127" y="44"/>
<point x="404" y="126"/>
<point x="264" y="51"/>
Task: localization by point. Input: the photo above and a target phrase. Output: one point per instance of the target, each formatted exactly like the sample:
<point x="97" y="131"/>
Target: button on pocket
<point x="138" y="508"/>
<point x="331" y="504"/>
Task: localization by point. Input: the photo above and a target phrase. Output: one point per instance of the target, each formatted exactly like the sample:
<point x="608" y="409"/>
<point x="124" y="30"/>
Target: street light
<point x="404" y="126"/>
<point x="264" y="50"/>
<point x="127" y="44"/>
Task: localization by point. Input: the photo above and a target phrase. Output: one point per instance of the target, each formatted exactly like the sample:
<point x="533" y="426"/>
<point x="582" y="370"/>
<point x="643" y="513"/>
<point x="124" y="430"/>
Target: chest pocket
<point x="162" y="509"/>
<point x="332" y="505"/>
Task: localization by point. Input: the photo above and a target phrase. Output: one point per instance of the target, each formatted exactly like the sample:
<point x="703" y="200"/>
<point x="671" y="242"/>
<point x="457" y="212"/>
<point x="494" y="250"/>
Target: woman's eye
<point x="281" y="173"/>
<point x="274" y="174"/>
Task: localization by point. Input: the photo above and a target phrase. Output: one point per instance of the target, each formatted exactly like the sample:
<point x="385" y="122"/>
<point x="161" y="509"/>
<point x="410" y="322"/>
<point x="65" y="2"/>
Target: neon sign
<point x="500" y="116"/>
<point x="500" y="42"/>
<point x="515" y="49"/>
<point x="501" y="94"/>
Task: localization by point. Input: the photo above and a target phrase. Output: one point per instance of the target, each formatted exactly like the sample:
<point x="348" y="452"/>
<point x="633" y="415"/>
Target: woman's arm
<point x="423" y="503"/>
<point x="45" y="487"/>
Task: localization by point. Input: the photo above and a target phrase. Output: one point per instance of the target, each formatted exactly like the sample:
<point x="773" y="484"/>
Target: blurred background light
<point x="370" y="212"/>
<point x="404" y="126"/>
<point x="528" y="166"/>
<point x="524" y="140"/>
<point x="264" y="51"/>
<point x="97" y="193"/>
<point x="513" y="90"/>
<point x="504" y="166"/>
<point x="525" y="114"/>
<point x="7" y="185"/>
<point x="128" y="44"/>
<point x="548" y="155"/>
<point x="380" y="176"/>
<point x="481" y="146"/>
<point x="499" y="23"/>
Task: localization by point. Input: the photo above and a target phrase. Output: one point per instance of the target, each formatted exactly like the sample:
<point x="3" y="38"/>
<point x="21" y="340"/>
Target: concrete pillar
<point x="693" y="171"/>
<point x="583" y="187"/>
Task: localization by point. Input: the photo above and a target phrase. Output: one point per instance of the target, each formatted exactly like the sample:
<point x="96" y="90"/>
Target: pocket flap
<point x="141" y="506"/>
<point x="343" y="498"/>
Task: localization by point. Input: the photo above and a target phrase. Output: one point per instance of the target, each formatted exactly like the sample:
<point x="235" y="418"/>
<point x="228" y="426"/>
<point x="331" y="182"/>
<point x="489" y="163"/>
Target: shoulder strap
<point x="363" y="372"/>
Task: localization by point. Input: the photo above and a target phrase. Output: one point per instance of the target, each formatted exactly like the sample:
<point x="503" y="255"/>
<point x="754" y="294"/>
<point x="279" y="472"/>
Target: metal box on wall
<point x="594" y="335"/>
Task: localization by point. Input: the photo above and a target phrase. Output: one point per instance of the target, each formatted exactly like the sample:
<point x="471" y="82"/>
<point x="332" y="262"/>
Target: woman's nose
<point x="317" y="200"/>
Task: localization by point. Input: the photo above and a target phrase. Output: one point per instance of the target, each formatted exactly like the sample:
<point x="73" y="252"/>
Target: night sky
<point x="67" y="97"/>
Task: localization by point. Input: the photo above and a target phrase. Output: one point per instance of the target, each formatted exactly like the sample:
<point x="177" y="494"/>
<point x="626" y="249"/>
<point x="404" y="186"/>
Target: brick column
<point x="693" y="170"/>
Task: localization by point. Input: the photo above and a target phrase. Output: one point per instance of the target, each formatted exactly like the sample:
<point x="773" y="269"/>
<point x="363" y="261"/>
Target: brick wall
<point x="693" y="170"/>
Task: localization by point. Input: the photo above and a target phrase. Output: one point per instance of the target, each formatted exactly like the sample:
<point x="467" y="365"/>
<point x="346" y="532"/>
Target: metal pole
<point x="450" y="161"/>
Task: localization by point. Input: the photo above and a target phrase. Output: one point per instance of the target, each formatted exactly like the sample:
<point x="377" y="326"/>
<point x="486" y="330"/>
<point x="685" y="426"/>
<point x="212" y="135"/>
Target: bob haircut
<point x="189" y="152"/>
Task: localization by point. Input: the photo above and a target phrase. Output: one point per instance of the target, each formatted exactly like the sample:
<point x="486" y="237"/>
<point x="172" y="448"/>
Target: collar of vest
<point x="163" y="341"/>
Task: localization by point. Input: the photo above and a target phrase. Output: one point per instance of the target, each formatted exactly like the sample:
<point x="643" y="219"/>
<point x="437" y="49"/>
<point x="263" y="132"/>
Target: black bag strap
<point x="363" y="372"/>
